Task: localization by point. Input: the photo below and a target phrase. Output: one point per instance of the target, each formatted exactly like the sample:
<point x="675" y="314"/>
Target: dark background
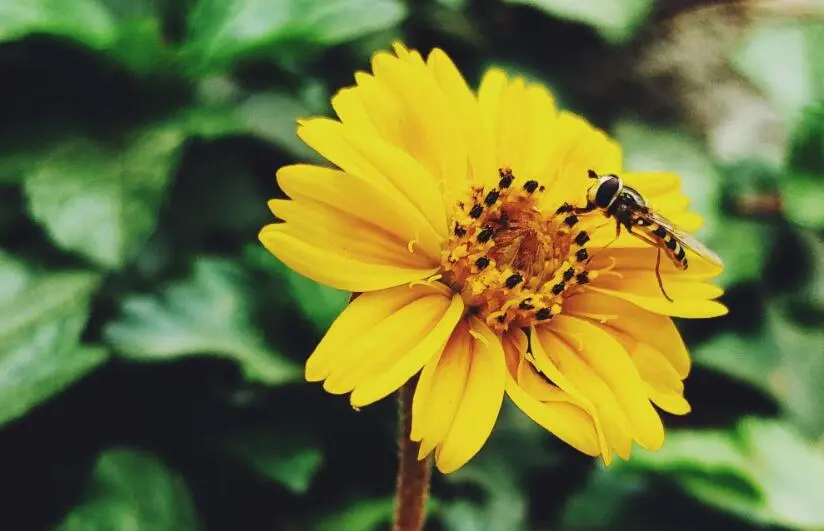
<point x="151" y="351"/>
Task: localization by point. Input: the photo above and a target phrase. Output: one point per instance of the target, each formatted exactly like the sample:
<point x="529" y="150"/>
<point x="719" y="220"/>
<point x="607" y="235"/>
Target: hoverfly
<point x="629" y="209"/>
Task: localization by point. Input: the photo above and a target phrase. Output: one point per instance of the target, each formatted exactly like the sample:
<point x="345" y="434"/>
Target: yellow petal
<point x="333" y="230"/>
<point x="379" y="358"/>
<point x="432" y="134"/>
<point x="616" y="426"/>
<point x="348" y="105"/>
<point x="447" y="389"/>
<point x="479" y="138"/>
<point x="423" y="390"/>
<point x="348" y="272"/>
<point x="552" y="408"/>
<point x="691" y="299"/>
<point x="362" y="316"/>
<point x="642" y="259"/>
<point x="480" y="403"/>
<point x="657" y="331"/>
<point x="387" y="377"/>
<point x="379" y="162"/>
<point x="382" y="208"/>
<point x="608" y="359"/>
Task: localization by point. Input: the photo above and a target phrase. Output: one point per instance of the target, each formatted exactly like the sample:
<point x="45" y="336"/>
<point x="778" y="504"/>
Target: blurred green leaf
<point x="270" y="116"/>
<point x="278" y="456"/>
<point x="604" y="503"/>
<point x="84" y="20"/>
<point x="499" y="473"/>
<point x="130" y="491"/>
<point x="128" y="31"/>
<point x="750" y="358"/>
<point x="782" y="359"/>
<point x="101" y="200"/>
<point x="766" y="473"/>
<point x="320" y="304"/>
<point x="41" y="319"/>
<point x="223" y="31"/>
<point x="784" y="61"/>
<point x="208" y="314"/>
<point x="616" y="20"/>
<point x="360" y="515"/>
<point x="803" y="186"/>
<point x="797" y="381"/>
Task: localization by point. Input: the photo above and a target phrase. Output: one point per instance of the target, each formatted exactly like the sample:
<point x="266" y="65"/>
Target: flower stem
<point x="412" y="487"/>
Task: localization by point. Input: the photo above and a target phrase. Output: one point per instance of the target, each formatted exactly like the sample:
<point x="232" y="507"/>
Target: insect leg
<point x="583" y="210"/>
<point x="658" y="275"/>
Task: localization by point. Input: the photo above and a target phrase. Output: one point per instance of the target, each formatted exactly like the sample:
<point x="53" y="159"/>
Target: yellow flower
<point x="444" y="215"/>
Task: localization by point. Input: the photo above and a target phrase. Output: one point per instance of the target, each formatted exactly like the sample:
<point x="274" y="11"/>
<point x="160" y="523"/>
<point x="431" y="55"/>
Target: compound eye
<point x="606" y="191"/>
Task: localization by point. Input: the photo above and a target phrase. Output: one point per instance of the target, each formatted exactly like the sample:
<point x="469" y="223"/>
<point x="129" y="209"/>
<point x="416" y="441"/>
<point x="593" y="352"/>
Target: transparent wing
<point x="686" y="239"/>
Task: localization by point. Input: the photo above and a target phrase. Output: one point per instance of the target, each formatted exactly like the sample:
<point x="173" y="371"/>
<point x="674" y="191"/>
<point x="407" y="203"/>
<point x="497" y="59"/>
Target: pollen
<point x="513" y="263"/>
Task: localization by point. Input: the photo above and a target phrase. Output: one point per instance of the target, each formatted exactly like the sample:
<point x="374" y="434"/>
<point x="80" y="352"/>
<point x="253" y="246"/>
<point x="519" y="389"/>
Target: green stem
<point x="412" y="487"/>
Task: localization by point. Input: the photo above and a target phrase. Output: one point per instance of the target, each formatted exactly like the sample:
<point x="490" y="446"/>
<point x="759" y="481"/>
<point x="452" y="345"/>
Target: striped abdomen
<point x="669" y="243"/>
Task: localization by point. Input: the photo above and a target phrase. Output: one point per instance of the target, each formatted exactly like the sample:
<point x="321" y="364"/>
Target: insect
<point x="629" y="209"/>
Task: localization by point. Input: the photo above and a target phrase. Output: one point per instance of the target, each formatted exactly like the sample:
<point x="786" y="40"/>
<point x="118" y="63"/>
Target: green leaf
<point x="269" y="116"/>
<point x="221" y="32"/>
<point x="803" y="186"/>
<point x="84" y="20"/>
<point x="360" y="515"/>
<point x="499" y="473"/>
<point x="101" y="200"/>
<point x="280" y="457"/>
<point x="206" y="314"/>
<point x="749" y="358"/>
<point x="784" y="61"/>
<point x="41" y="319"/>
<point x="766" y="473"/>
<point x="128" y="31"/>
<point x="616" y="20"/>
<point x="131" y="490"/>
<point x="320" y="304"/>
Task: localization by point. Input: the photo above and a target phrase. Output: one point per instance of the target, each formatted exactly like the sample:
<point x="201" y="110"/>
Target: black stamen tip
<point x="582" y="238"/>
<point x="570" y="221"/>
<point x="482" y="262"/>
<point x="459" y="230"/>
<point x="506" y="179"/>
<point x="501" y="318"/>
<point x="476" y="211"/>
<point x="514" y="280"/>
<point x="531" y="186"/>
<point x="568" y="274"/>
<point x="485" y="235"/>
<point x="543" y="314"/>
<point x="474" y="310"/>
<point x="558" y="288"/>
<point x="564" y="209"/>
<point x="491" y="197"/>
<point x="581" y="255"/>
<point x="526" y="304"/>
<point x="592" y="174"/>
<point x="582" y="277"/>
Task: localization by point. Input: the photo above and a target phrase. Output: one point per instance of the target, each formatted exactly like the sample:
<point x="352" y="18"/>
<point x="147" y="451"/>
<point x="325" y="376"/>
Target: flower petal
<point x="431" y="132"/>
<point x="608" y="359"/>
<point x="388" y="376"/>
<point x="657" y="331"/>
<point x="381" y="359"/>
<point x="381" y="208"/>
<point x="480" y="403"/>
<point x="379" y="162"/>
<point x="358" y="319"/>
<point x="690" y="299"/>
<point x="440" y="389"/>
<point x="480" y="146"/>
<point x="341" y="269"/>
<point x="616" y="426"/>
<point x="549" y="406"/>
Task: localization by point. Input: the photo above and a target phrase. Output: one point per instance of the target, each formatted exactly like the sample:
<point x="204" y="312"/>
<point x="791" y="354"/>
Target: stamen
<point x="512" y="262"/>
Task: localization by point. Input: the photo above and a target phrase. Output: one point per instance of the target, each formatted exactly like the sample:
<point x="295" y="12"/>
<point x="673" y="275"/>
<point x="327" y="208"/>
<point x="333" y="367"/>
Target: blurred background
<point x="151" y="351"/>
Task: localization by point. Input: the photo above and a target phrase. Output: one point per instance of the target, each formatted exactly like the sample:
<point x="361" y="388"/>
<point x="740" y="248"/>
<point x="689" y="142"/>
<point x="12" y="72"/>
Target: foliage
<point x="151" y="351"/>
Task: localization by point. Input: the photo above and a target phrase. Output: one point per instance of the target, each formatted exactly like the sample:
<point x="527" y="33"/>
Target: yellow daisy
<point x="444" y="214"/>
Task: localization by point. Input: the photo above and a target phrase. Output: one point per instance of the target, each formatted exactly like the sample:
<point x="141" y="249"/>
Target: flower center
<point x="512" y="263"/>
